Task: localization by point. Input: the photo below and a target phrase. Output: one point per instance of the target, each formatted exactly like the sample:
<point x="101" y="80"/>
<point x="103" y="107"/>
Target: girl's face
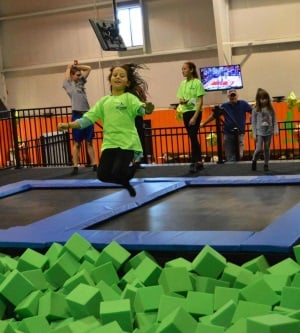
<point x="263" y="101"/>
<point x="119" y="80"/>
<point x="186" y="71"/>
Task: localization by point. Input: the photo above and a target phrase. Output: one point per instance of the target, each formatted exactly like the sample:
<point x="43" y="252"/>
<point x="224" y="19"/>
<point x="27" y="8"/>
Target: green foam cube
<point x="29" y="306"/>
<point x="53" y="306"/>
<point x="84" y="301"/>
<point x="16" y="287"/>
<point x="277" y="282"/>
<point x="80" y="277"/>
<point x="209" y="263"/>
<point x="147" y="298"/>
<point x="177" y="321"/>
<point x="148" y="272"/>
<point x="296" y="280"/>
<point x="5" y="327"/>
<point x="119" y="311"/>
<point x="249" y="309"/>
<point x="238" y="277"/>
<point x="91" y="255"/>
<point x="77" y="246"/>
<point x="260" y="292"/>
<point x="31" y="259"/>
<point x="175" y="279"/>
<point x="209" y="328"/>
<point x="115" y="253"/>
<point x="273" y="323"/>
<point x="223" y="316"/>
<point x="206" y="284"/>
<point x="238" y="327"/>
<point x="244" y="278"/>
<point x="290" y="298"/>
<point x="105" y="272"/>
<point x="168" y="304"/>
<point x="224" y="294"/>
<point x="137" y="259"/>
<point x="54" y="252"/>
<point x="199" y="303"/>
<point x="287" y="266"/>
<point x="145" y="320"/>
<point x="179" y="262"/>
<point x="37" y="278"/>
<point x="129" y="292"/>
<point x="108" y="292"/>
<point x="34" y="324"/>
<point x="296" y="250"/>
<point x="65" y="267"/>
<point x="259" y="264"/>
<point x="112" y="327"/>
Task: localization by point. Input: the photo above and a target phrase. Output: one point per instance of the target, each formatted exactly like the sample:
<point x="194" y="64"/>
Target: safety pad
<point x="14" y="188"/>
<point x="173" y="240"/>
<point x="59" y="227"/>
<point x="244" y="180"/>
<point x="82" y="216"/>
<point x="279" y="236"/>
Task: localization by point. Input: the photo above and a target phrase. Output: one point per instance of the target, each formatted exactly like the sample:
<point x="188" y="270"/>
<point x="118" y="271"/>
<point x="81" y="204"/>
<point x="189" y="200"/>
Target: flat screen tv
<point x="108" y="36"/>
<point x="216" y="78"/>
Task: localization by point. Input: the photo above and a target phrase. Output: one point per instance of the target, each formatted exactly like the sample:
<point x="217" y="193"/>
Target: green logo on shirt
<point x="121" y="107"/>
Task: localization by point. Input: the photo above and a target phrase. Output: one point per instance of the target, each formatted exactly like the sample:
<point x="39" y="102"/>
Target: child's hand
<point x="149" y="107"/>
<point x="62" y="127"/>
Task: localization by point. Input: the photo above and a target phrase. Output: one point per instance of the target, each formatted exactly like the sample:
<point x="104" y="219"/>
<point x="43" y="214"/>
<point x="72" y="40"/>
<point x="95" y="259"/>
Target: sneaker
<point x="266" y="167"/>
<point x="74" y="171"/>
<point x="253" y="166"/>
<point x="131" y="190"/>
<point x="193" y="168"/>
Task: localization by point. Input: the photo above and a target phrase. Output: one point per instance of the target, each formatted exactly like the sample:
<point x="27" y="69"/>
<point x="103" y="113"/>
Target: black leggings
<point x="193" y="134"/>
<point x="114" y="166"/>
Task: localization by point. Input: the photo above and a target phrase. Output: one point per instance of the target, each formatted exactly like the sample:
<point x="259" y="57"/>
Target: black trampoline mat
<point x="30" y="206"/>
<point x="237" y="208"/>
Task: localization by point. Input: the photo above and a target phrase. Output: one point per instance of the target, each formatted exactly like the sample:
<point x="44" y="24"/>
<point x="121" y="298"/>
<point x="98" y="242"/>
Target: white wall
<point x="264" y="36"/>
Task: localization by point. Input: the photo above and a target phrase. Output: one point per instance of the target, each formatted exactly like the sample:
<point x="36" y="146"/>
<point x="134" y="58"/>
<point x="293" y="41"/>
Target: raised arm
<point x="85" y="70"/>
<point x="68" y="72"/>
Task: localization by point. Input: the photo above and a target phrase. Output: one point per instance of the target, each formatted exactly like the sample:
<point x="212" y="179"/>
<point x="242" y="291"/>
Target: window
<point x="130" y="19"/>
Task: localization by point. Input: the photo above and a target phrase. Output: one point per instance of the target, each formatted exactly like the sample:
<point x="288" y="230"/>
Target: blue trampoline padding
<point x="14" y="188"/>
<point x="172" y="240"/>
<point x="245" y="180"/>
<point x="279" y="236"/>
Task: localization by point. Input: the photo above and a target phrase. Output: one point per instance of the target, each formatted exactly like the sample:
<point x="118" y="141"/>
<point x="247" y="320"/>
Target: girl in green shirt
<point x="117" y="112"/>
<point x="190" y="94"/>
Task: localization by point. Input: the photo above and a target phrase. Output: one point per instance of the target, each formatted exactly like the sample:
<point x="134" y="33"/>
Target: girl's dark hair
<point x="262" y="93"/>
<point x="137" y="85"/>
<point x="193" y="68"/>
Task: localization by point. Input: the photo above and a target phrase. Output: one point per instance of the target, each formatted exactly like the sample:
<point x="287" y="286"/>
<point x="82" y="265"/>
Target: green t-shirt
<point x="190" y="91"/>
<point x="118" y="118"/>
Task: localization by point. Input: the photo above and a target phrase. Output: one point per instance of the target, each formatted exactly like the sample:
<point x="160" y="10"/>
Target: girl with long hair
<point x="117" y="111"/>
<point x="264" y="125"/>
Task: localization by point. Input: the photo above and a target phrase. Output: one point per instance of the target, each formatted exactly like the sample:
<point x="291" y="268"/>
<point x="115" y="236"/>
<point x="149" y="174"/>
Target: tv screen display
<point x="221" y="77"/>
<point x="108" y="36"/>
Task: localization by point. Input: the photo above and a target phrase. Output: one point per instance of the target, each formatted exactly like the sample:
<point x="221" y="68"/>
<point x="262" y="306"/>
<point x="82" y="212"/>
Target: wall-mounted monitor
<point x="216" y="78"/>
<point x="108" y="36"/>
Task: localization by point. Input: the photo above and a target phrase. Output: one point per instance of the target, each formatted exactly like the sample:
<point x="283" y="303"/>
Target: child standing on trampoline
<point x="264" y="125"/>
<point x="117" y="112"/>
